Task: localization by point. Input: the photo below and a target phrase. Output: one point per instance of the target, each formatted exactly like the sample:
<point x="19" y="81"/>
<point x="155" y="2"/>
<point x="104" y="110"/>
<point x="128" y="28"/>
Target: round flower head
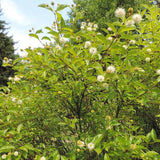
<point x="80" y="143"/>
<point x="87" y="44"/>
<point x="149" y="50"/>
<point x="110" y="69"/>
<point x="82" y="27"/>
<point x="89" y="29"/>
<point x="132" y="42"/>
<point x="158" y="72"/>
<point x="120" y="12"/>
<point x="62" y="40"/>
<point x="130" y="23"/>
<point x="10" y="78"/>
<point x="93" y="50"/>
<point x="110" y="38"/>
<point x="147" y="59"/>
<point x="4" y="156"/>
<point x="95" y="25"/>
<point x="19" y="102"/>
<point x="125" y="46"/>
<point x="16" y="153"/>
<point x="90" y="24"/>
<point x="16" y="78"/>
<point x="109" y="29"/>
<point x="83" y="23"/>
<point x="43" y="158"/>
<point x="137" y="18"/>
<point x="90" y="146"/>
<point x="100" y="78"/>
<point x="58" y="47"/>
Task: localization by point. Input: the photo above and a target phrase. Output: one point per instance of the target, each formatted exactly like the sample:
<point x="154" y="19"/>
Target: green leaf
<point x="34" y="35"/>
<point x="20" y="126"/>
<point x="6" y="148"/>
<point x="46" y="6"/>
<point x="61" y="7"/>
<point x="158" y="79"/>
<point x="39" y="31"/>
<point x="125" y="28"/>
<point x="73" y="157"/>
<point x="64" y="158"/>
<point x="106" y="157"/>
<point x="98" y="150"/>
<point x="153" y="134"/>
<point x="99" y="68"/>
<point x="97" y="139"/>
<point x="27" y="147"/>
<point x="46" y="38"/>
<point x="59" y="16"/>
<point x="8" y="117"/>
<point x="112" y="27"/>
<point x="78" y="16"/>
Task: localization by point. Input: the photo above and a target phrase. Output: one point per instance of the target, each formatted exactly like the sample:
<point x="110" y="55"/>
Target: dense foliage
<point x="84" y="95"/>
<point x="101" y="11"/>
<point x="6" y="50"/>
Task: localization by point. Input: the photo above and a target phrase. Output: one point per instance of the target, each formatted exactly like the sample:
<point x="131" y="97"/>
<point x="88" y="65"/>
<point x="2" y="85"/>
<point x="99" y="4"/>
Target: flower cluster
<point x="110" y="69"/>
<point x="137" y="18"/>
<point x="7" y="61"/>
<point x="93" y="50"/>
<point x="15" y="78"/>
<point x="13" y="99"/>
<point x="89" y="27"/>
<point x="80" y="143"/>
<point x="120" y="12"/>
<point x="100" y="78"/>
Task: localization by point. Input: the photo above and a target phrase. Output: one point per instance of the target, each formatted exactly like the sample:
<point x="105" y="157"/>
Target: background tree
<point x="102" y="11"/>
<point x="6" y="50"/>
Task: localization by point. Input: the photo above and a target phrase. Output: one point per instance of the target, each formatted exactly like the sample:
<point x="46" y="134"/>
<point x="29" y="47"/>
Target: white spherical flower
<point x="89" y="29"/>
<point x="132" y="42"/>
<point x="99" y="33"/>
<point x="109" y="29"/>
<point x="147" y="59"/>
<point x="110" y="38"/>
<point x="93" y="50"/>
<point x="4" y="156"/>
<point x="87" y="44"/>
<point x="95" y="25"/>
<point x="158" y="72"/>
<point x="16" y="78"/>
<point x="43" y="158"/>
<point x="130" y="23"/>
<point x="149" y="50"/>
<point x="106" y="85"/>
<point x="125" y="47"/>
<point x="38" y="53"/>
<point x="58" y="47"/>
<point x="80" y="143"/>
<point x="137" y="18"/>
<point x="13" y="99"/>
<point x="62" y="40"/>
<point x="120" y="12"/>
<point x="110" y="69"/>
<point x="83" y="23"/>
<point x="82" y="27"/>
<point x="19" y="102"/>
<point x="90" y="146"/>
<point x="90" y="24"/>
<point x="16" y="153"/>
<point x="10" y="78"/>
<point x="100" y="78"/>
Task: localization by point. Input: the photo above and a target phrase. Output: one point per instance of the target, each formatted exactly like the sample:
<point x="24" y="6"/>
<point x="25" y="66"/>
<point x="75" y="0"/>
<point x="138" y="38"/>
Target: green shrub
<point x="85" y="95"/>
